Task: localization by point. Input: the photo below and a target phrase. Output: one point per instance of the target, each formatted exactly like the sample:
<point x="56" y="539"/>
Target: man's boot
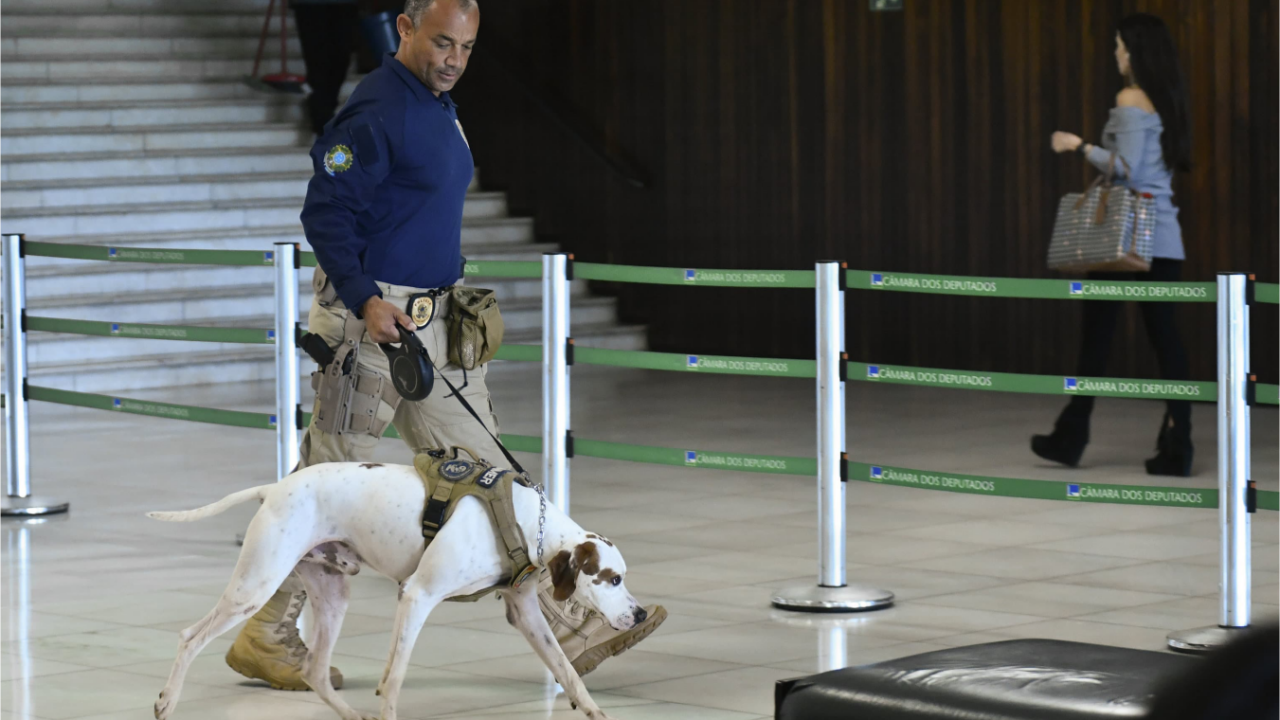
<point x="584" y="635"/>
<point x="269" y="647"/>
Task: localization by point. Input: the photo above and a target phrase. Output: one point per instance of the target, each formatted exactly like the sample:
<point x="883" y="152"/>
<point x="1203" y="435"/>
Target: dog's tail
<point x="253" y="493"/>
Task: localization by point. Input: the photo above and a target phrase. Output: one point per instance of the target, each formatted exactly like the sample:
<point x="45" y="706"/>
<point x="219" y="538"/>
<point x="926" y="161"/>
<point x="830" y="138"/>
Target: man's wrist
<point x="363" y="305"/>
<point x="356" y="291"/>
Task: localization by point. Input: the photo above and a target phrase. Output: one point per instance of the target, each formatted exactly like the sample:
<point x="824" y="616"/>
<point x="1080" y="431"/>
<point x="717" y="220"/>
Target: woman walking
<point x="1148" y="128"/>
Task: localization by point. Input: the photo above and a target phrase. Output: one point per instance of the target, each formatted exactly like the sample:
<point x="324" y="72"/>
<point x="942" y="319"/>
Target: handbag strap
<point x="1085" y="195"/>
<point x="1100" y="215"/>
<point x="1111" y="168"/>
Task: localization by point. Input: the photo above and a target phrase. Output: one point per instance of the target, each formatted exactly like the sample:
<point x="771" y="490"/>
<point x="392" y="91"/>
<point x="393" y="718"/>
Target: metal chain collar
<point x="542" y="518"/>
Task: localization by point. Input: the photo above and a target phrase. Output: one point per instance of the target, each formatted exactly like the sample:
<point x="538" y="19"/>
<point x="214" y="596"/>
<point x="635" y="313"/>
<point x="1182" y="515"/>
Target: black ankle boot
<point x="1065" y="445"/>
<point x="1175" y="450"/>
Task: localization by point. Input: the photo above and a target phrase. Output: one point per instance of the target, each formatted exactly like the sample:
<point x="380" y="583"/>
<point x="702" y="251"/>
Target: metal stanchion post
<point x="287" y="259"/>
<point x="556" y="359"/>
<point x="1233" y="471"/>
<point x="18" y="501"/>
<point x="832" y="593"/>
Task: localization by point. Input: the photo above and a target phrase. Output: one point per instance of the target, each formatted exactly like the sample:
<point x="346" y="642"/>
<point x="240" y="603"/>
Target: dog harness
<point x="449" y="478"/>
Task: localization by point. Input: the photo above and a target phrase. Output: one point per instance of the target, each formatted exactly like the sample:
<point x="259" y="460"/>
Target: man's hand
<point x="381" y="319"/>
<point x="1065" y="142"/>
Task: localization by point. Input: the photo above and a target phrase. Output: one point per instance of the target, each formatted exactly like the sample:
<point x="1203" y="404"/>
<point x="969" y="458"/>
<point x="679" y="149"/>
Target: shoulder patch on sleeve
<point x="338" y="159"/>
<point x="362" y="137"/>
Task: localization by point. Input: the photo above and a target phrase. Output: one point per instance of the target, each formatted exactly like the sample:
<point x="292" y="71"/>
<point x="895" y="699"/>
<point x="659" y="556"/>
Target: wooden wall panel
<point x="778" y="132"/>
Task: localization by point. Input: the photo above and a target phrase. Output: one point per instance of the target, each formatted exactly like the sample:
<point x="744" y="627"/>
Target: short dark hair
<point x="415" y="8"/>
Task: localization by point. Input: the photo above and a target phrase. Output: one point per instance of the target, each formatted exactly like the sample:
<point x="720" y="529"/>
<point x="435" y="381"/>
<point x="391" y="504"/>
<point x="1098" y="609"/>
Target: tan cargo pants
<point x="434" y="422"/>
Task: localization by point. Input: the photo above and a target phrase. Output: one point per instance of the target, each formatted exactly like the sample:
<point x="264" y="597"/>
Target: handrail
<point x="560" y="113"/>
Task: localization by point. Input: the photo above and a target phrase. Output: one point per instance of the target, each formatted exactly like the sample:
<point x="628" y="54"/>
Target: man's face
<point x="437" y="50"/>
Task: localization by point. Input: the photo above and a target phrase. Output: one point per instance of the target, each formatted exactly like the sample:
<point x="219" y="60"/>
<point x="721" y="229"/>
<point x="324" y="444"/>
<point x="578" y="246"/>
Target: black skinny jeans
<point x="1100" y="318"/>
<point x="327" y="34"/>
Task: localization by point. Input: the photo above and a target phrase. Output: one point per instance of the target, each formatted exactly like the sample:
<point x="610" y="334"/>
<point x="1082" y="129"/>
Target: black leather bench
<point x="1014" y="680"/>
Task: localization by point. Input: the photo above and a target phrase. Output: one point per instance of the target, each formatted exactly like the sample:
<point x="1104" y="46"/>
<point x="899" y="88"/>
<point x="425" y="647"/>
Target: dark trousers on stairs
<point x="327" y="32"/>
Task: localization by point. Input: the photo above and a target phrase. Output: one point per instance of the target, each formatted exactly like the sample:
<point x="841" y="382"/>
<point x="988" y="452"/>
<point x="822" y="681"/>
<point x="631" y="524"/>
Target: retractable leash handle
<point x="411" y="369"/>
<point x="413" y="375"/>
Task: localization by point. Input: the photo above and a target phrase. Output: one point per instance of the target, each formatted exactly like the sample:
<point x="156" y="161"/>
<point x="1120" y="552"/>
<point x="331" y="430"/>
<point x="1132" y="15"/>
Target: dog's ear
<point x="564" y="577"/>
<point x="586" y="558"/>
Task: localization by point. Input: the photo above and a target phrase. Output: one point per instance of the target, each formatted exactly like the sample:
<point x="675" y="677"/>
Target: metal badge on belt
<point x="420" y="309"/>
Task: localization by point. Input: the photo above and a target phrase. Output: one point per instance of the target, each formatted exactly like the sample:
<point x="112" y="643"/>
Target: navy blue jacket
<point x="391" y="176"/>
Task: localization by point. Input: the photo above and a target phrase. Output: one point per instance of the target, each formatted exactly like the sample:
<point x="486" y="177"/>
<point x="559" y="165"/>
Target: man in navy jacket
<point x="384" y="216"/>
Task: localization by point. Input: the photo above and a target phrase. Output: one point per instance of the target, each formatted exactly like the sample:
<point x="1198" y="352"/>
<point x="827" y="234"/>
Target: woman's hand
<point x="1065" y="142"/>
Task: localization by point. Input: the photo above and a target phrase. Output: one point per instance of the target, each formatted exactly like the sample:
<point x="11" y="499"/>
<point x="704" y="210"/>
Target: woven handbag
<point x="1107" y="228"/>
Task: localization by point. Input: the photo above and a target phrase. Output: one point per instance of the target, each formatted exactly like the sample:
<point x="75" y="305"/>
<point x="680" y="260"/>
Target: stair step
<point x="117" y="191"/>
<point x="76" y="167"/>
<point x="141" y="164"/>
<point x="126" y="279"/>
<point x="114" y="193"/>
<point x="179" y="217"/>
<point x="260" y="187"/>
<point x="177" y="21"/>
<point x="117" y="89"/>
<point x="51" y="48"/>
<point x="253" y="363"/>
<point x="43" y="141"/>
<point x="81" y="68"/>
<point x="81" y="116"/>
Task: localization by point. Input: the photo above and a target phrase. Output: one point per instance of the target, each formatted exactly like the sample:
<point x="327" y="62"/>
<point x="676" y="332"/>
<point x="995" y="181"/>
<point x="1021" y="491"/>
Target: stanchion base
<point x="821" y="599"/>
<point x="1203" y="639"/>
<point x="32" y="506"/>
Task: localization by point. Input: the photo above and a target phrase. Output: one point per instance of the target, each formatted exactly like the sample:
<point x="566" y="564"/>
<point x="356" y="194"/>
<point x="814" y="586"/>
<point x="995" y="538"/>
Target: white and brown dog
<point x="327" y="520"/>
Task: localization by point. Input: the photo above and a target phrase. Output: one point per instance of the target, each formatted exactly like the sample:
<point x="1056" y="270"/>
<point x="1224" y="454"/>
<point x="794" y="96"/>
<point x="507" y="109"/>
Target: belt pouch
<point x="475" y="327"/>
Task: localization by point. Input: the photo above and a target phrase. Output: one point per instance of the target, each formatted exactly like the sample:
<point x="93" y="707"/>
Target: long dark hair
<point x="1153" y="60"/>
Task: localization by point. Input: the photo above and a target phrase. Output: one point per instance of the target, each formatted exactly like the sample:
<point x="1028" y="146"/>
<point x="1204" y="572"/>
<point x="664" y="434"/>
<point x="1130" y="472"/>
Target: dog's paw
<point x="163" y="708"/>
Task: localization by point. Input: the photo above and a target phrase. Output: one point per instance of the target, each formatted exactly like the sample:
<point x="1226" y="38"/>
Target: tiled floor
<point x="92" y="601"/>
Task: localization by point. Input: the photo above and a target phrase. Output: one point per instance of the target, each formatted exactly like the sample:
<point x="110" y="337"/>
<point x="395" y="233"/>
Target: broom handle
<point x="262" y="39"/>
